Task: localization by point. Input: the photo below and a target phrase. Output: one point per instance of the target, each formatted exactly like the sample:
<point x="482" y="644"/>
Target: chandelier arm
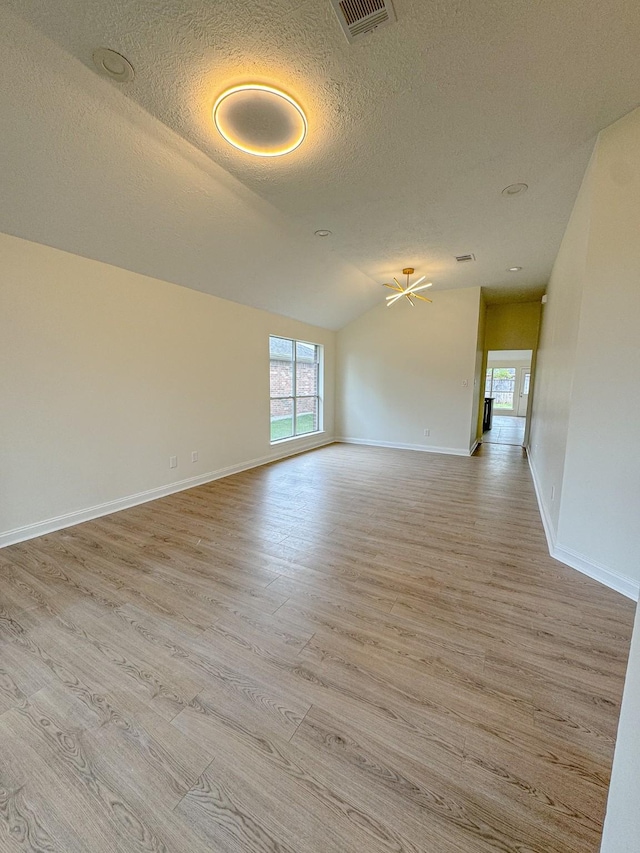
<point x="394" y="299"/>
<point x="422" y="287"/>
<point x="415" y="284"/>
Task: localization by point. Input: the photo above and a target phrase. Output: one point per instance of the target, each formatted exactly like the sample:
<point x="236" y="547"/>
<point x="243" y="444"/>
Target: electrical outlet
<point x="194" y="456"/>
<point x="427" y="433"/>
<point x="173" y="462"/>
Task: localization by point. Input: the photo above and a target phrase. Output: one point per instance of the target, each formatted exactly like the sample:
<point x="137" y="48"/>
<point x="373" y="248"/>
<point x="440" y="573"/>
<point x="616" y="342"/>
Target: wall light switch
<point x="194" y="456"/>
<point x="173" y="462"/>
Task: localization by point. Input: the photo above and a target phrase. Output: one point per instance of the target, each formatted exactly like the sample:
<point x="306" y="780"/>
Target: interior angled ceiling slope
<point x="413" y="131"/>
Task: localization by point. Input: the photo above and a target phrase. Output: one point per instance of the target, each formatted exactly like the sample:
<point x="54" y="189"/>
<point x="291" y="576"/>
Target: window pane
<point x="281" y="419"/>
<point x="294" y="396"/>
<point x="306" y="379"/>
<point x="281" y="374"/>
<point x="487" y="385"/>
<point x="305" y="352"/>
<point x="504" y="383"/>
<point x="280" y="348"/>
<point x="527" y="380"/>
<point x="306" y="415"/>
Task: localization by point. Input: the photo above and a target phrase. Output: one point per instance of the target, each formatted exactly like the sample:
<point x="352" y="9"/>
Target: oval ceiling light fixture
<point x="113" y="64"/>
<point x="260" y="120"/>
<point x="322" y="232"/>
<point x="514" y="269"/>
<point x="514" y="190"/>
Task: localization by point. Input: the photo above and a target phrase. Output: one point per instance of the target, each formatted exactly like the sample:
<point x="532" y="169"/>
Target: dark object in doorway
<point x="488" y="414"/>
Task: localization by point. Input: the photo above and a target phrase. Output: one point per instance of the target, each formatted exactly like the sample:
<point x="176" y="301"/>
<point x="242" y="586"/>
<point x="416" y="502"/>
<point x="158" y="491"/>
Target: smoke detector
<point x="359" y="17"/>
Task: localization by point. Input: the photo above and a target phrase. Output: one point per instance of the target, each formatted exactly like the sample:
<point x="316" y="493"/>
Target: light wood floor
<point x="356" y="649"/>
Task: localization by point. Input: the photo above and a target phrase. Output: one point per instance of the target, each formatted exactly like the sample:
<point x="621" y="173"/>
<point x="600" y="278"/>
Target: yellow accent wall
<point x="513" y="325"/>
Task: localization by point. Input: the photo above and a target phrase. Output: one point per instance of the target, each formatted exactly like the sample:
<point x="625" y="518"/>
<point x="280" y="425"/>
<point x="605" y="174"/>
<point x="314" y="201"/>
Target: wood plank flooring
<point x="356" y="649"/>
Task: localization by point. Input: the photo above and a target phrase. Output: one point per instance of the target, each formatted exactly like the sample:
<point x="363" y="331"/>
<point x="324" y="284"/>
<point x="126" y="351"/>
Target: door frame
<point x="523" y="399"/>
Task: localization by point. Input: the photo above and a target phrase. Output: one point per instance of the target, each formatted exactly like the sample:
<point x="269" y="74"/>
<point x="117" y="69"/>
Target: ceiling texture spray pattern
<point x="413" y="131"/>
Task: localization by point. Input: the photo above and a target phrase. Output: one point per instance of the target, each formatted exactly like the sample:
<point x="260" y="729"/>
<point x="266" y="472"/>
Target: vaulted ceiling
<point x="413" y="133"/>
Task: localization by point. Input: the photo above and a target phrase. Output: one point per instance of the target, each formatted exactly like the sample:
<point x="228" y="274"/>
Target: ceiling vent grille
<point x="462" y="258"/>
<point x="359" y="17"/>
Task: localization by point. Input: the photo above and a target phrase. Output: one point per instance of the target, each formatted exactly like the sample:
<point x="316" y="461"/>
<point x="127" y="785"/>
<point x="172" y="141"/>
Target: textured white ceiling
<point x="413" y="132"/>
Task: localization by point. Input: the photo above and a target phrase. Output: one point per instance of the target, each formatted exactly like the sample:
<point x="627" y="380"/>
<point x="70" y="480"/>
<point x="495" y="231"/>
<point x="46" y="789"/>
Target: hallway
<point x="505" y="430"/>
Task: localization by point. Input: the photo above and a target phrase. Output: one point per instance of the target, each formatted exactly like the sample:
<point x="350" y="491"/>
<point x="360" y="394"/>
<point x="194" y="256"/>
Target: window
<point x="501" y="385"/>
<point x="294" y="371"/>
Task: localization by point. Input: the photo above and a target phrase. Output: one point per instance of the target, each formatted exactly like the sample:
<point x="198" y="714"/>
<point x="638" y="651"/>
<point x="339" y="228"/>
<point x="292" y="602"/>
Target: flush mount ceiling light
<point x="514" y="269"/>
<point x="322" y="232"/>
<point x="260" y="120"/>
<point x="514" y="190"/>
<point x="113" y="65"/>
<point x="410" y="290"/>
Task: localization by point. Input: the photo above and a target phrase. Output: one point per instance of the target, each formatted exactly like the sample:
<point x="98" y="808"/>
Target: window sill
<point x="296" y="437"/>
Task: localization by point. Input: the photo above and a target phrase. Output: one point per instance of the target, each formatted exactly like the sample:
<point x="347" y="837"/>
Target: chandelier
<point x="410" y="290"/>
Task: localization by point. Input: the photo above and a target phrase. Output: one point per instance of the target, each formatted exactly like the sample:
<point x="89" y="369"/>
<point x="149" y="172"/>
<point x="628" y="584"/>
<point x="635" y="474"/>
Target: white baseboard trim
<point x="549" y="531"/>
<point x="426" y="448"/>
<point x="50" y="525"/>
<point x="473" y="447"/>
<point x="619" y="583"/>
<point x="624" y="585"/>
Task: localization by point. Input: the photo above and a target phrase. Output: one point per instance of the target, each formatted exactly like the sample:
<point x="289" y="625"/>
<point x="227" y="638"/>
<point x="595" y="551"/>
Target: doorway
<point x="507" y="386"/>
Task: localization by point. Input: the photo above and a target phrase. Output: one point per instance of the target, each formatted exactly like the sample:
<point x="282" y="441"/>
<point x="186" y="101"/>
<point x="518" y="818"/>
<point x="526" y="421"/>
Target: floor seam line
<point x="300" y="723"/>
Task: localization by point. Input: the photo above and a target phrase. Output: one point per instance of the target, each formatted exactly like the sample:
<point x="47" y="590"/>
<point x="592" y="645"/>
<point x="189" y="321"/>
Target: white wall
<point x="604" y="427"/>
<point x="586" y="414"/>
<point x="107" y="373"/>
<point x="402" y="371"/>
<point x="509" y="358"/>
<point x="556" y="359"/>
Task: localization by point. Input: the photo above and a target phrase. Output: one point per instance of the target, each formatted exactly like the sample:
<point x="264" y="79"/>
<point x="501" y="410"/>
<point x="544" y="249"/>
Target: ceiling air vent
<point x="359" y="17"/>
<point x="462" y="258"/>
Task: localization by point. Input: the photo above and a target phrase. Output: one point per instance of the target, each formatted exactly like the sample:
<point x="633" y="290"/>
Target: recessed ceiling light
<point x="514" y="189"/>
<point x="260" y="120"/>
<point x="113" y="65"/>
<point x="514" y="269"/>
<point x="322" y="232"/>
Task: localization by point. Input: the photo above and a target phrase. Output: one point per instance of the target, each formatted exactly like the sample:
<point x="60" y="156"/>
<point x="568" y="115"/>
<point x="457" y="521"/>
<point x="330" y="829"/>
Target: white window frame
<point x="318" y="397"/>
